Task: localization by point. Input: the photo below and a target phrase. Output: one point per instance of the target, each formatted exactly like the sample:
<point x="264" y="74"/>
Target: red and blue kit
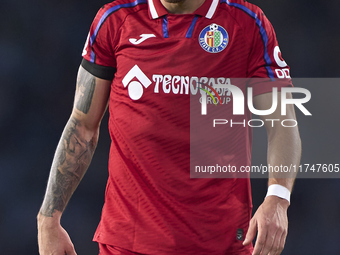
<point x="157" y="61"/>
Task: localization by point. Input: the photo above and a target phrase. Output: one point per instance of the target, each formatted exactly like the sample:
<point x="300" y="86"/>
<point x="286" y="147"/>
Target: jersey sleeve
<point x="98" y="54"/>
<point x="265" y="60"/>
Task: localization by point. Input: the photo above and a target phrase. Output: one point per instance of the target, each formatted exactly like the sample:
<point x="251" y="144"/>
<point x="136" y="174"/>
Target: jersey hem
<point x="243" y="251"/>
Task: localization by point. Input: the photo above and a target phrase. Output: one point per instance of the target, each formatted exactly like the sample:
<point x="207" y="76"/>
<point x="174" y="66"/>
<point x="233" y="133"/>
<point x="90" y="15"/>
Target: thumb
<point x="250" y="233"/>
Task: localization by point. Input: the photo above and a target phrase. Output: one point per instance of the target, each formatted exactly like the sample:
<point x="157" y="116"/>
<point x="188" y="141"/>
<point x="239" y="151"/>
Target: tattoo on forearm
<point x="70" y="163"/>
<point x="86" y="84"/>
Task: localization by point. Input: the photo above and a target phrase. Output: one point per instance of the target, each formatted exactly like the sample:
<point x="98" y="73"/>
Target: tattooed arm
<point x="71" y="160"/>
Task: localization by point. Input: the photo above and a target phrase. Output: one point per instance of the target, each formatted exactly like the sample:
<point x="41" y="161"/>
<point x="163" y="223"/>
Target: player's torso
<point x="161" y="63"/>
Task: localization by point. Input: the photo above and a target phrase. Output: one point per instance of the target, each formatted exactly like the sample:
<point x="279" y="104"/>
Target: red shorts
<point x="106" y="249"/>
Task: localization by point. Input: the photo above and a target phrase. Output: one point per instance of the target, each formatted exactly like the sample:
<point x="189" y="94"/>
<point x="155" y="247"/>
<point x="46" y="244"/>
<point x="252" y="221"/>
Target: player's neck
<point x="182" y="6"/>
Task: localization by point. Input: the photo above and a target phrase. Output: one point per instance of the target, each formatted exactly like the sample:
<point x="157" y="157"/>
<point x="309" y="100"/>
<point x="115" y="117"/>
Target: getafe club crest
<point x="213" y="38"/>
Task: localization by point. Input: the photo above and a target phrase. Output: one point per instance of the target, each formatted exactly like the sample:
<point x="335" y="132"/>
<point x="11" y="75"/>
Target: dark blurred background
<point x="40" y="51"/>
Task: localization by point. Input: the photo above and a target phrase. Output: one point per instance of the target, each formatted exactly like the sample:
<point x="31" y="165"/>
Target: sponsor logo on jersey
<point x="135" y="88"/>
<point x="136" y="81"/>
<point x="213" y="38"/>
<point x="283" y="72"/>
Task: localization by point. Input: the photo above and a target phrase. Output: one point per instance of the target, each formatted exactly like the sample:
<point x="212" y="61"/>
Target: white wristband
<point x="279" y="191"/>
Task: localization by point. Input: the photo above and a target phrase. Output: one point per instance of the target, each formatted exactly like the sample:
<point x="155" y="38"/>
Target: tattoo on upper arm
<point x="86" y="84"/>
<point x="72" y="158"/>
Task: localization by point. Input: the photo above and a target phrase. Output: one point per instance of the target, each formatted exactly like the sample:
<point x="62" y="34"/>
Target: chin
<point x="174" y="1"/>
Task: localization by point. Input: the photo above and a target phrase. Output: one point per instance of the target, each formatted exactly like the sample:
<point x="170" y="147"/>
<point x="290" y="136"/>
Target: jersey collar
<point x="207" y="9"/>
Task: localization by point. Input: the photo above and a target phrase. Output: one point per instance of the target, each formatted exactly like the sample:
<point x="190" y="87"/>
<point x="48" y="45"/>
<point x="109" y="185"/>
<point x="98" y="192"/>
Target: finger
<point x="276" y="250"/>
<point x="250" y="233"/>
<point x="282" y="242"/>
<point x="273" y="240"/>
<point x="282" y="234"/>
<point x="261" y="240"/>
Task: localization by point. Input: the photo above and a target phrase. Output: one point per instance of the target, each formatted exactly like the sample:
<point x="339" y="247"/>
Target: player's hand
<point x="271" y="222"/>
<point x="52" y="238"/>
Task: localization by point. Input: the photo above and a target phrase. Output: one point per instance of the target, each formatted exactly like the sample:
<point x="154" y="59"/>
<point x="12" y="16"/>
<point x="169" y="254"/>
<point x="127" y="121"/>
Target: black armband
<point x="103" y="72"/>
